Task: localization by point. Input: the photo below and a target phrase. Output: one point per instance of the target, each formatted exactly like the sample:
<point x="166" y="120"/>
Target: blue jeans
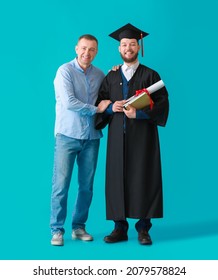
<point x="86" y="154"/>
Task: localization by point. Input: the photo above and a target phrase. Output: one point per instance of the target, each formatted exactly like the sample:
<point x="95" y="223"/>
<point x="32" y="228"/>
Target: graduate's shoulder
<point x="145" y="68"/>
<point x="113" y="74"/>
<point x="148" y="71"/>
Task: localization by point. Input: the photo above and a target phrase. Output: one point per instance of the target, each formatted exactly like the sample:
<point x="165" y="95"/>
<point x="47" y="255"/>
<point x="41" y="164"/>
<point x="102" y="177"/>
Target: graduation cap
<point x="131" y="32"/>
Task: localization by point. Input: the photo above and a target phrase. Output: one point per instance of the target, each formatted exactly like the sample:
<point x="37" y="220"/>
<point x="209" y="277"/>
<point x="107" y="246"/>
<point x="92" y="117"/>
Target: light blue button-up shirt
<point x="76" y="92"/>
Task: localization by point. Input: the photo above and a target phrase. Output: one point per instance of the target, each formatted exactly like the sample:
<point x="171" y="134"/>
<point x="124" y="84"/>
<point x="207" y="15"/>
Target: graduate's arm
<point x="141" y="115"/>
<point x="103" y="93"/>
<point x="102" y="119"/>
<point x="160" y="110"/>
<point x="158" y="114"/>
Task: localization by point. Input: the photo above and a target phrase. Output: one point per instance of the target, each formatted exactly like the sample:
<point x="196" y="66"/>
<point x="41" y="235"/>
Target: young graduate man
<point x="133" y="168"/>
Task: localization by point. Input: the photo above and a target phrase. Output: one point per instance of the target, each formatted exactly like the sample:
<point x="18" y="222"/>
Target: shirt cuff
<point x="140" y="115"/>
<point x="109" y="110"/>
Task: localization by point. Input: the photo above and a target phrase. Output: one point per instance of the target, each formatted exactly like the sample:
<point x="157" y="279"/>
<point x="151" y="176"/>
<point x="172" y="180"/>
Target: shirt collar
<point x="134" y="66"/>
<point x="78" y="67"/>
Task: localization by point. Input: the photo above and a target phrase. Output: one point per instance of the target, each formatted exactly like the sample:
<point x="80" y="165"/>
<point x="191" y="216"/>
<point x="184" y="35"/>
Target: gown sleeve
<point x="102" y="119"/>
<point x="159" y="113"/>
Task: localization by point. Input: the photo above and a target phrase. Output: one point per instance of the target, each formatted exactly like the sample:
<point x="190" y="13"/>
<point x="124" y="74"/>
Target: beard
<point x="129" y="60"/>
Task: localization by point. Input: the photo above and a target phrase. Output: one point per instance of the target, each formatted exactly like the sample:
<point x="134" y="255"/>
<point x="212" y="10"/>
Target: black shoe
<point x="116" y="235"/>
<point x="144" y="238"/>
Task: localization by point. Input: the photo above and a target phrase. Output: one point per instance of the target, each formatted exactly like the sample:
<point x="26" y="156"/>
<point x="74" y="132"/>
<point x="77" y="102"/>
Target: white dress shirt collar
<point x="129" y="71"/>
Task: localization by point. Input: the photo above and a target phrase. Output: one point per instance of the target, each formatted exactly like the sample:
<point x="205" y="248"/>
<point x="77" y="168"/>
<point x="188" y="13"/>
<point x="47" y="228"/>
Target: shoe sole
<point x="57" y="243"/>
<point x="145" y="243"/>
<point x="110" y="241"/>
<point x="82" y="238"/>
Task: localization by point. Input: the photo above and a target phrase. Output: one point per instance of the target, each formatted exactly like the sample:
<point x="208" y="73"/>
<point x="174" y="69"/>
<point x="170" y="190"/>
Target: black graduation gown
<point x="133" y="165"/>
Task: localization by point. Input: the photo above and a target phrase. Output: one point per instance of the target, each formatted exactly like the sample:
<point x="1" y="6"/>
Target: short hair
<point x="88" y="37"/>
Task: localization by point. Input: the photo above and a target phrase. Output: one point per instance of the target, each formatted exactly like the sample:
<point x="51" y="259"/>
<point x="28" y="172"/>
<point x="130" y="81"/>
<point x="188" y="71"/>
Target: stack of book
<point x="142" y="97"/>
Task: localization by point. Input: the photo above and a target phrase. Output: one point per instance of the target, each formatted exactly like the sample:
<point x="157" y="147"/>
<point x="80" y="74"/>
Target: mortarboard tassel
<point x="142" y="45"/>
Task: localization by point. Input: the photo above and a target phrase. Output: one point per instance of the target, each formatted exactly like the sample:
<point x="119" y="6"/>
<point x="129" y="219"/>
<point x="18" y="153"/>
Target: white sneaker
<point x="57" y="239"/>
<point x="81" y="234"/>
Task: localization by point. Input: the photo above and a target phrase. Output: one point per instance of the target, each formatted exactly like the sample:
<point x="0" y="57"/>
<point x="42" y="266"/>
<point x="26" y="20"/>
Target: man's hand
<point x="130" y="112"/>
<point x="102" y="106"/>
<point x="118" y="106"/>
<point x="115" y="67"/>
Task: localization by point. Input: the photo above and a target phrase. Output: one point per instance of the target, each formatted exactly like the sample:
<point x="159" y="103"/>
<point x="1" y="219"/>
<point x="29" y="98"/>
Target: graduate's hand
<point x="118" y="106"/>
<point x="102" y="106"/>
<point x="130" y="112"/>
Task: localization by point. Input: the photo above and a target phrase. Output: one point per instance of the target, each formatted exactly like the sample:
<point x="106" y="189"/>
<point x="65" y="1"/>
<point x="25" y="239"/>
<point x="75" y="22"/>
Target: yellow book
<point x="142" y="97"/>
<point x="139" y="101"/>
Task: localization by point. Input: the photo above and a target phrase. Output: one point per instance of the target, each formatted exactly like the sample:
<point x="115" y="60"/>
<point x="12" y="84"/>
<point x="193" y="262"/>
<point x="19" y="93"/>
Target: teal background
<point x="36" y="38"/>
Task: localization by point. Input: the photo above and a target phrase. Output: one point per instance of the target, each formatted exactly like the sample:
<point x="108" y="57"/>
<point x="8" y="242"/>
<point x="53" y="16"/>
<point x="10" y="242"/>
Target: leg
<point x="63" y="165"/>
<point x="122" y="225"/>
<point x="143" y="226"/>
<point x="87" y="162"/>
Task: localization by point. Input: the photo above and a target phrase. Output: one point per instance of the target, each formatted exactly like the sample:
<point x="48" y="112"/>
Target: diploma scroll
<point x="155" y="87"/>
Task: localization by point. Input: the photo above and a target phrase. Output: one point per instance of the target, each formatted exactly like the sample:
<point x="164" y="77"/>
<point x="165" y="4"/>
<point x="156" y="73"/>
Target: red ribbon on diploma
<point x="140" y="91"/>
